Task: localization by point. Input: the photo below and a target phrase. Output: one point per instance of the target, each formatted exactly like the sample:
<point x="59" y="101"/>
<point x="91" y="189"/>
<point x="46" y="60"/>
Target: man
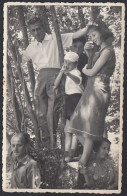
<point x="25" y="172"/>
<point x="45" y="55"/>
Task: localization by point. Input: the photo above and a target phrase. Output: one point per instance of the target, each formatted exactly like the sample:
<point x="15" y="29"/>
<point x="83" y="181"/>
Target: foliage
<point x="113" y="115"/>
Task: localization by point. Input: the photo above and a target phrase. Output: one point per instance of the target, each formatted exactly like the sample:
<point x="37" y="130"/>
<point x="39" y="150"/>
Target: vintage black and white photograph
<point x="63" y="97"/>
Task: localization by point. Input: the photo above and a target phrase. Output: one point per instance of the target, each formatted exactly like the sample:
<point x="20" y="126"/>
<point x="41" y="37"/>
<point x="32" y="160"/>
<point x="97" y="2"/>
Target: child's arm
<point x="58" y="79"/>
<point x="105" y="55"/>
<point x="73" y="77"/>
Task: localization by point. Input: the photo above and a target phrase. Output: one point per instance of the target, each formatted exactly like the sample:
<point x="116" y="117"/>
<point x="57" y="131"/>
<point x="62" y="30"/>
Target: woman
<point x="101" y="172"/>
<point x="87" y="121"/>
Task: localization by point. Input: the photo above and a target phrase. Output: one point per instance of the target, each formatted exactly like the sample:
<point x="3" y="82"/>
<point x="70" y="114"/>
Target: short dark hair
<point x="80" y="39"/>
<point x="34" y="20"/>
<point x="97" y="144"/>
<point x="101" y="27"/>
<point x="23" y="136"/>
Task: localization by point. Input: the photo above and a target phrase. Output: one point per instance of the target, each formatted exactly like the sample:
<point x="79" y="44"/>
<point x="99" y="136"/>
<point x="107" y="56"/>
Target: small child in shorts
<point x="73" y="93"/>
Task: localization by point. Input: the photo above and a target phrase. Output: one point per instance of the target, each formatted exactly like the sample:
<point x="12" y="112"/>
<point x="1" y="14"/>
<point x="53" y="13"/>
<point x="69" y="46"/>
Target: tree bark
<point x="81" y="17"/>
<point x="61" y="56"/>
<point x="58" y="36"/>
<point x="94" y="13"/>
<point x="25" y="91"/>
<point x="11" y="91"/>
<point x="22" y="24"/>
<point x="19" y="105"/>
<point x="42" y="13"/>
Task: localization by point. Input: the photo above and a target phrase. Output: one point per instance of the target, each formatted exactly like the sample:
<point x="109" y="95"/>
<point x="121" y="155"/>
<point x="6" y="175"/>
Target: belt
<point x="50" y="69"/>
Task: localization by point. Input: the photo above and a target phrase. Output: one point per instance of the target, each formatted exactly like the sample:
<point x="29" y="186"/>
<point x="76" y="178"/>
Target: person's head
<point x="99" y="33"/>
<point x="78" y="45"/>
<point x="102" y="148"/>
<point x="71" y="60"/>
<point x="36" y="28"/>
<point x="19" y="142"/>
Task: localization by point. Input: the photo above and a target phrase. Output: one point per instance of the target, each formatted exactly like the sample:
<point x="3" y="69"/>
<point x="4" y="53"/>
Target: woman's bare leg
<point x="68" y="139"/>
<point x="87" y="149"/>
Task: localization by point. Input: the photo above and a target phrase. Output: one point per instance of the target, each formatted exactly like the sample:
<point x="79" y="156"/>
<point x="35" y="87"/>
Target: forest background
<point x="20" y="115"/>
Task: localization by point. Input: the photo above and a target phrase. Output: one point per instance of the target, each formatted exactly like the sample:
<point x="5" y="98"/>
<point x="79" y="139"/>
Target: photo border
<point x="4" y="106"/>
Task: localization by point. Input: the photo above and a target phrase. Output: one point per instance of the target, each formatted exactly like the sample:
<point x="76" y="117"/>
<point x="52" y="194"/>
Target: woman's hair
<point x="102" y="28"/>
<point x="97" y="144"/>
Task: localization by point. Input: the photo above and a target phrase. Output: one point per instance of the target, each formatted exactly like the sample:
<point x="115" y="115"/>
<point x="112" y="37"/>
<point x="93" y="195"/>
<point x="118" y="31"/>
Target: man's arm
<point x="80" y="33"/>
<point x="26" y="55"/>
<point x="67" y="38"/>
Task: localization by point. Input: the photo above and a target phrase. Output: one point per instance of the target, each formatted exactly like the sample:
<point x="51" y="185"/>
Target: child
<point x="24" y="170"/>
<point x="100" y="172"/>
<point x="78" y="47"/>
<point x="73" y="92"/>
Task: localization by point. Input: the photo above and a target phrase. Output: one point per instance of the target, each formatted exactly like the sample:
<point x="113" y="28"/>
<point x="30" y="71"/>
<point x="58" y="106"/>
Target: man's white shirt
<point x="45" y="54"/>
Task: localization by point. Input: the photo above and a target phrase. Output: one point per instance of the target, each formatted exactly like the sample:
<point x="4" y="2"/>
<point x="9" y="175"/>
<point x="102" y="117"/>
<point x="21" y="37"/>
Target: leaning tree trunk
<point x="11" y="91"/>
<point x="25" y="90"/>
<point x="81" y="17"/>
<point x="93" y="17"/>
<point x="61" y="56"/>
<point x="22" y="25"/>
<point x="42" y="13"/>
<point x="58" y="36"/>
<point x="94" y="13"/>
<point x="19" y="105"/>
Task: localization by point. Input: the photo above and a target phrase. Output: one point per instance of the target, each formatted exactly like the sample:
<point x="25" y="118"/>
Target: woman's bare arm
<point x="105" y="55"/>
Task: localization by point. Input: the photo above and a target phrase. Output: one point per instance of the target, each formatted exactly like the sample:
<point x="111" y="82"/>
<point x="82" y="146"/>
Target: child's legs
<point x="68" y="137"/>
<point x="68" y="140"/>
<point x="74" y="142"/>
<point x="73" y="146"/>
<point x="87" y="149"/>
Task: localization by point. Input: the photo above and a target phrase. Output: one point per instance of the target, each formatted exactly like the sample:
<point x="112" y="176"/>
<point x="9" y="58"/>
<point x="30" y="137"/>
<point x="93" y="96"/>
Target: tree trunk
<point x="11" y="91"/>
<point x="58" y="36"/>
<point x="22" y="24"/>
<point x="93" y="17"/>
<point x="20" y="112"/>
<point x="94" y="13"/>
<point x="81" y="17"/>
<point x="61" y="56"/>
<point x="42" y="13"/>
<point x="25" y="91"/>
